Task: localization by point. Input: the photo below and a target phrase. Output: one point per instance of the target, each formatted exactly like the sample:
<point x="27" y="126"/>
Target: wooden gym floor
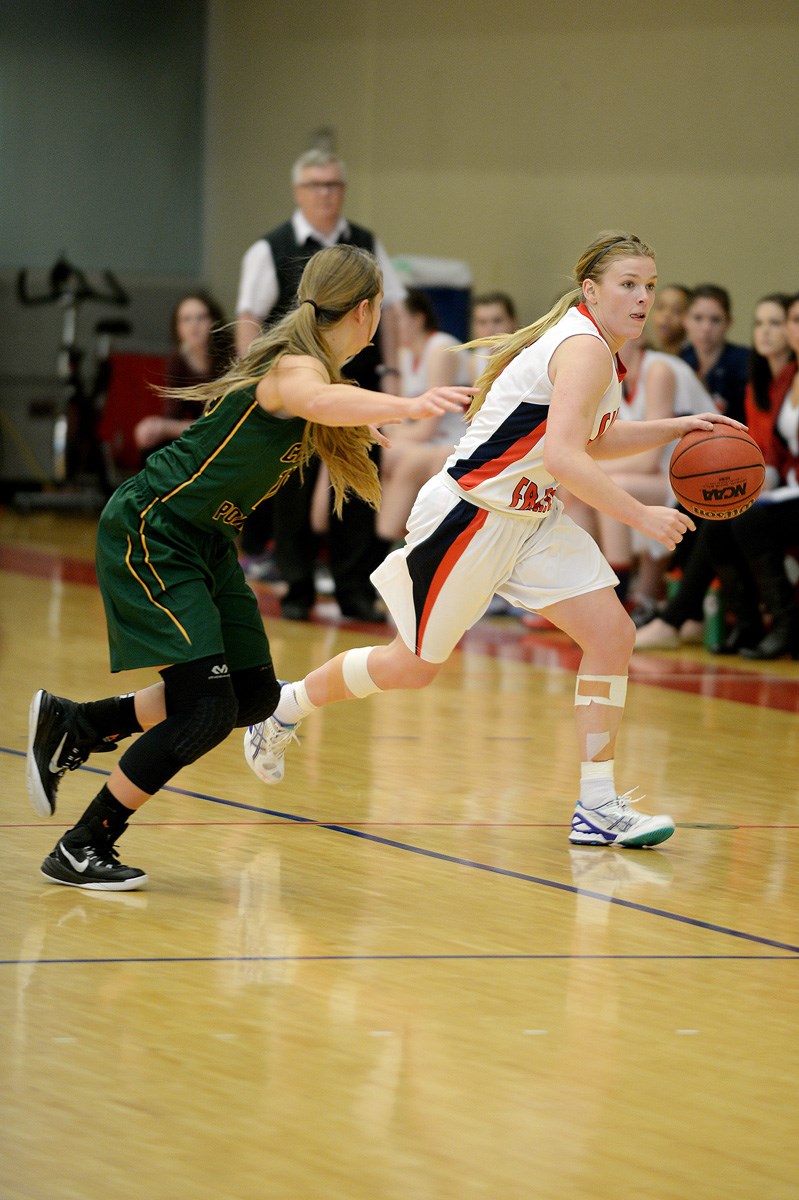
<point x="390" y="977"/>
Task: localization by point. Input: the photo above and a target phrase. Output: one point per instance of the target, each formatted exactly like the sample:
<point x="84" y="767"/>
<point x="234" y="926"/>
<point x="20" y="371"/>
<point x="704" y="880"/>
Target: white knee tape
<point x="356" y="674"/>
<point x="601" y="689"/>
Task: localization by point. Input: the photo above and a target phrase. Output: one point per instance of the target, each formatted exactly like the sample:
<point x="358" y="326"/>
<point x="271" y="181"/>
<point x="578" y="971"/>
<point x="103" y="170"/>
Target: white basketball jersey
<point x="499" y="462"/>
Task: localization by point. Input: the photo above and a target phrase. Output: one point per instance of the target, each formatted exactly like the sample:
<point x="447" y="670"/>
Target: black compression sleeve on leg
<point x="257" y="692"/>
<point x="201" y="709"/>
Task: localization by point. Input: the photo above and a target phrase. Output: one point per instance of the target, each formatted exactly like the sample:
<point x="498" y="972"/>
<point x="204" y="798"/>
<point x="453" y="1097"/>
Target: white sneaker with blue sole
<point x="615" y="823"/>
<point x="265" y="745"/>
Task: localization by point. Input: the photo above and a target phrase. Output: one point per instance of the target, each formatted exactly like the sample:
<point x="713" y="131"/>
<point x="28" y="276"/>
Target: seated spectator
<point x="201" y="351"/>
<point x="667" y="319"/>
<point x="655" y="387"/>
<point x="493" y="314"/>
<point x="722" y="366"/>
<point x="724" y="369"/>
<point x="747" y="553"/>
<point x="419" y="449"/>
<point x="770" y="529"/>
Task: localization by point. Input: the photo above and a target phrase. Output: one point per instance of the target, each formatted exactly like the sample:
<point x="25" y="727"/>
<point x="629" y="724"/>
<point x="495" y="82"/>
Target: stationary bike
<point x="77" y="469"/>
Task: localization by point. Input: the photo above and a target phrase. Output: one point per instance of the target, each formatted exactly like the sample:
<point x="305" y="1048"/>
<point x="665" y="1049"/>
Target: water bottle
<point x="673" y="581"/>
<point x="713" y="609"/>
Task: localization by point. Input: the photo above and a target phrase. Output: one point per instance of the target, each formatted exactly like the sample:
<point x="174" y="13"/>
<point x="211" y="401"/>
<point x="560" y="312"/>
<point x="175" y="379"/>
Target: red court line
<point x="44" y="565"/>
<point x="506" y="639"/>
<point x="311" y="822"/>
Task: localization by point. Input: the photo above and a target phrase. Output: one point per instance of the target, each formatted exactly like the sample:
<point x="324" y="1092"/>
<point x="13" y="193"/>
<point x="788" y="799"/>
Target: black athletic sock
<point x="103" y="821"/>
<point x="114" y="718"/>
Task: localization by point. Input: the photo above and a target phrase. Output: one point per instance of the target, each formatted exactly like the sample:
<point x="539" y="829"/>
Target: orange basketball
<point x="717" y="473"/>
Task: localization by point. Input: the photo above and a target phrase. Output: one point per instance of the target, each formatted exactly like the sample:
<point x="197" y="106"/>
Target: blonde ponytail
<point x="508" y="345"/>
<point x="592" y="264"/>
<point x="335" y="281"/>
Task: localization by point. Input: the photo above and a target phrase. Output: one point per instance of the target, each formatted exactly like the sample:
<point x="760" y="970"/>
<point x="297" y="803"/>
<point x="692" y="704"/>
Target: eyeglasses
<point x="333" y="185"/>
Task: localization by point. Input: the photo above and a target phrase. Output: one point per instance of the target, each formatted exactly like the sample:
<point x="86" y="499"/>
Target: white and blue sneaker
<point x="265" y="744"/>
<point x="614" y="823"/>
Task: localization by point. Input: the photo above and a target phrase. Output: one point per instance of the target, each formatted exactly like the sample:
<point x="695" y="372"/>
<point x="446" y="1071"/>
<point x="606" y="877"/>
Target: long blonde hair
<point x="592" y="264"/>
<point x="335" y="281"/>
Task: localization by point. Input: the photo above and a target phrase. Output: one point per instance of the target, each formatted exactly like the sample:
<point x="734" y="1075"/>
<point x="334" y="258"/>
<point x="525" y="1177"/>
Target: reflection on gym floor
<point x="392" y="976"/>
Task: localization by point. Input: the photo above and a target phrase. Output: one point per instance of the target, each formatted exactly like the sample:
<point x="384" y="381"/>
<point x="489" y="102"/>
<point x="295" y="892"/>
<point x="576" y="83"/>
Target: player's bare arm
<point x="580" y="373"/>
<point x="631" y="437"/>
<point x="300" y="387"/>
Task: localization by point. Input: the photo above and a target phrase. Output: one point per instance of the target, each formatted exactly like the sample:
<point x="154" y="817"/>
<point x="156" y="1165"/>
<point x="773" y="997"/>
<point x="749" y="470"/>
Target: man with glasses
<point x="270" y="273"/>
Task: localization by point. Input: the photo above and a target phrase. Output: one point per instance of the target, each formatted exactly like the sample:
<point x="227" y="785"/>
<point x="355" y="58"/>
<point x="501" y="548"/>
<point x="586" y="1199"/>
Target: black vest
<point x="290" y="257"/>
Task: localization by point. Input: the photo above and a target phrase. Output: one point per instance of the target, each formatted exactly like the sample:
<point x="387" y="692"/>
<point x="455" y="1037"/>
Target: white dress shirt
<point x="258" y="284"/>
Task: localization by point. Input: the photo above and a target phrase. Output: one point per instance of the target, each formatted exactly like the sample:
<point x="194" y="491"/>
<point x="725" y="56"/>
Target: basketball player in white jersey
<point x="491" y="523"/>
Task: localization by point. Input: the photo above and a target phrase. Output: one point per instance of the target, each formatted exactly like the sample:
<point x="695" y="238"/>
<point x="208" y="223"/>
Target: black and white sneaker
<point x="91" y="868"/>
<point x="59" y="740"/>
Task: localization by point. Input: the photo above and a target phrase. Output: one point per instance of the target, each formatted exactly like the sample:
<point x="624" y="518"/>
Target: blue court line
<point x="275" y="958"/>
<point x="472" y="864"/>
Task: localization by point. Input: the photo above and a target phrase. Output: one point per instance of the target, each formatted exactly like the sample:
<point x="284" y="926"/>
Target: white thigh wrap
<point x="601" y="689"/>
<point x="356" y="675"/>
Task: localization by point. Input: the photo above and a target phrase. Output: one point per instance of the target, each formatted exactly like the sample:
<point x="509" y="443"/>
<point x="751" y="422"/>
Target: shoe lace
<point x="630" y="797"/>
<point x="272" y="737"/>
<point x="108" y="856"/>
<point x="618" y="810"/>
<point x="72" y="758"/>
<point x="79" y="752"/>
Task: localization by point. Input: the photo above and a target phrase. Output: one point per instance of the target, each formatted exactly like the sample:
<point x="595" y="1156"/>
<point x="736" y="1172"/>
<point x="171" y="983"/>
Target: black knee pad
<point x="201" y="710"/>
<point x="257" y="692"/>
<point x="201" y="707"/>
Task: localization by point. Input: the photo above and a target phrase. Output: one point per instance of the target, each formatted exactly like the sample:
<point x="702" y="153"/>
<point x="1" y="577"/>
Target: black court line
<point x="474" y="865"/>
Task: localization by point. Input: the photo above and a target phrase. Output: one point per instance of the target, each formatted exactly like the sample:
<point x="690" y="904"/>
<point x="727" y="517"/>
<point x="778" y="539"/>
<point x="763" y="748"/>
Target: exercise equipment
<point x="77" y="469"/>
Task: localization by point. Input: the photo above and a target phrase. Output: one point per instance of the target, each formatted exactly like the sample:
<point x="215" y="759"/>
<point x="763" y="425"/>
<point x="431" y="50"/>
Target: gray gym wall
<point x="509" y="133"/>
<point x="102" y="119"/>
<point x="155" y="137"/>
<point x="101" y="128"/>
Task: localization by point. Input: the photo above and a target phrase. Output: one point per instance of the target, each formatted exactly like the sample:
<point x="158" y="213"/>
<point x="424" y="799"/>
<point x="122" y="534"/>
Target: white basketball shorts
<point x="457" y="556"/>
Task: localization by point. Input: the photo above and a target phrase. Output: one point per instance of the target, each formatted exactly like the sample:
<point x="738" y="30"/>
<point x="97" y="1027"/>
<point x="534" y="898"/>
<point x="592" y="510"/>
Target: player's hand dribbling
<point x="705" y="420"/>
<point x="666" y="525"/>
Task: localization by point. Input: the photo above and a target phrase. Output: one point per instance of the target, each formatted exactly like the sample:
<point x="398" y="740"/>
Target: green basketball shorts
<point x="172" y="592"/>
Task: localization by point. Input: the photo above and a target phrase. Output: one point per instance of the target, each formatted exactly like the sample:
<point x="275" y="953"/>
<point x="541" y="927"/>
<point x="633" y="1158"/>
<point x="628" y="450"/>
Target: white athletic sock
<point x="597" y="783"/>
<point x="293" y="704"/>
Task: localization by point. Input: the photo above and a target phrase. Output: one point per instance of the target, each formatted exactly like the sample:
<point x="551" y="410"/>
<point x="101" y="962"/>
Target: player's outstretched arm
<point x="299" y="387"/>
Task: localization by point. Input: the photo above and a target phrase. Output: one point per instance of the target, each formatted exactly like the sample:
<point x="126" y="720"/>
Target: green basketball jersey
<point x="226" y="463"/>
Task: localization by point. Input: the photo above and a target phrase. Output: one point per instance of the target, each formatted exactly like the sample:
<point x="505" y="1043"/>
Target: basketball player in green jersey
<point x="175" y="596"/>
